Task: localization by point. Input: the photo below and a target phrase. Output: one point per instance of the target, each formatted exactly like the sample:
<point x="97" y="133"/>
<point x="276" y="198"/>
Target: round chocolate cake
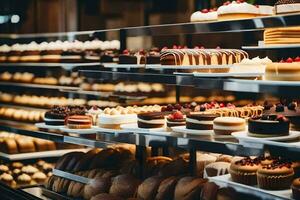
<point x="268" y="126"/>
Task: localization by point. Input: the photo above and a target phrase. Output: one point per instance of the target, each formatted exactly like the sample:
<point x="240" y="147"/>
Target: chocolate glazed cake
<point x="200" y="121"/>
<point x="151" y="120"/>
<point x="56" y="116"/>
<point x="268" y="126"/>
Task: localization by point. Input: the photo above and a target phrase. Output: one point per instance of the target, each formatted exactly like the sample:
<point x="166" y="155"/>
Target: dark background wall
<point x="36" y="16"/>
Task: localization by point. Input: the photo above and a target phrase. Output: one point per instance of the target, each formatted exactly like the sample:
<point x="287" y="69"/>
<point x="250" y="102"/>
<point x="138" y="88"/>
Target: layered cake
<point x="291" y="111"/>
<point x="285" y="35"/>
<point x="285" y="70"/>
<point x="276" y="176"/>
<point x="265" y="10"/>
<point x="228" y="125"/>
<point x="287" y="6"/>
<point x="31" y="53"/>
<point x="94" y="111"/>
<point x="200" y="121"/>
<point x="153" y="56"/>
<point x="151" y="120"/>
<point x="114" y="118"/>
<point x="202" y="57"/>
<point x="205" y="15"/>
<point x="269" y="126"/>
<point x="15" y="52"/>
<point x="52" y="52"/>
<point x="56" y="116"/>
<point x="244" y="171"/>
<point x="79" y="122"/>
<point x="4" y="50"/>
<point x="129" y="57"/>
<point x="237" y="10"/>
<point x="175" y="119"/>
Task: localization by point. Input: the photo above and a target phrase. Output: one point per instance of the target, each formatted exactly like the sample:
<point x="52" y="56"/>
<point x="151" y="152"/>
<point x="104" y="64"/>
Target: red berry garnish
<point x="215" y="9"/>
<point x="177" y="106"/>
<point x="226" y="3"/>
<point x="170" y="107"/>
<point x="196" y="47"/>
<point x="126" y="51"/>
<point x="164" y="48"/>
<point x="281" y="61"/>
<point x="202" y="47"/>
<point x="218" y="47"/>
<point x="184" y="47"/>
<point x="289" y="60"/>
<point x="179" y="47"/>
<point x="175" y="47"/>
<point x="257" y="6"/>
<point x="204" y="11"/>
<point x="222" y="105"/>
<point x="163" y="109"/>
<point x="238" y="1"/>
<point x="297" y="59"/>
<point x="178" y="115"/>
<point x="142" y="52"/>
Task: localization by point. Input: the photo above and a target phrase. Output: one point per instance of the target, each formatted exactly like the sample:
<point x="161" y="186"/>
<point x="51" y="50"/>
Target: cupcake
<point x="16" y="173"/>
<point x="276" y="176"/>
<point x="244" y="170"/>
<point x="296" y="188"/>
<point x="7" y="179"/>
<point x="39" y="177"/>
<point x="296" y="167"/>
<point x="30" y="170"/>
<point x="3" y="169"/>
<point x="24" y="179"/>
<point x="17" y="165"/>
<point x="40" y="164"/>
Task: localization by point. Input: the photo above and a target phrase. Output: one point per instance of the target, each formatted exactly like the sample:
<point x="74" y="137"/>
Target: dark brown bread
<point x="149" y="188"/>
<point x="124" y="186"/>
<point x="166" y="189"/>
<point x="189" y="188"/>
<point x="96" y="186"/>
<point x="105" y="196"/>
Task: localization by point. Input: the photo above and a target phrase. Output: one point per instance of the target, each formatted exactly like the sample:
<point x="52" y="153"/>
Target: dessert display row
<point x="58" y="51"/>
<point x="11" y="143"/>
<point x="18" y="174"/>
<point x="48" y="102"/>
<point x="24" y="115"/>
<point x="240" y="9"/>
<point x="27" y="77"/>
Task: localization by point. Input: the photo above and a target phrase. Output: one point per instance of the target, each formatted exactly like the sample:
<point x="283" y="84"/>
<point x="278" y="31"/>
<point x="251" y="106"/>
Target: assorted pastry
<point x="11" y="143"/>
<point x="58" y="51"/>
<point x="25" y="115"/>
<point x="17" y="174"/>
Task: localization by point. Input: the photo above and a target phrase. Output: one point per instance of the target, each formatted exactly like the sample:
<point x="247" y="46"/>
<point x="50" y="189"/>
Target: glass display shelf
<point x="41" y="86"/>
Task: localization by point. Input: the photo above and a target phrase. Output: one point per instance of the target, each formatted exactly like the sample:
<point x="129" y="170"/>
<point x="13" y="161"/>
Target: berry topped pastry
<point x="205" y="15"/>
<point x="175" y="119"/>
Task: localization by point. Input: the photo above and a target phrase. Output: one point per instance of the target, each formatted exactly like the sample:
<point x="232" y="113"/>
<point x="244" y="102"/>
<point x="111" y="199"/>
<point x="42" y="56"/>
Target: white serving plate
<point x="40" y="154"/>
<point x="225" y="180"/>
<point x="134" y="128"/>
<point x="114" y="65"/>
<point x="43" y="125"/>
<point x="79" y="131"/>
<point x="229" y="74"/>
<point x="243" y="135"/>
<point x="107" y="130"/>
<point x="184" y="130"/>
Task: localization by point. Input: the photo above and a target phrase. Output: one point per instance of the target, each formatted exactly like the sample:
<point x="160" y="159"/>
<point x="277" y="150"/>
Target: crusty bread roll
<point x="95" y="173"/>
<point x="166" y="189"/>
<point x="100" y="159"/>
<point x="73" y="161"/>
<point x="189" y="188"/>
<point x="109" y="174"/>
<point x="174" y="168"/>
<point x="154" y="164"/>
<point x="227" y="194"/>
<point x="51" y="145"/>
<point x="84" y="162"/>
<point x="40" y="145"/>
<point x="105" y="196"/>
<point x="148" y="189"/>
<point x="9" y="145"/>
<point x="25" y="145"/>
<point x="96" y="186"/>
<point x="124" y="186"/>
<point x="63" y="161"/>
<point x="209" y="191"/>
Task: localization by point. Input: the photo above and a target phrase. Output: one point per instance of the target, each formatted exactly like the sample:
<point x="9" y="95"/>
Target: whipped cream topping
<point x="266" y="10"/>
<point x="235" y="7"/>
<point x="200" y="16"/>
<point x="5" y="48"/>
<point x="256" y="61"/>
<point x="287" y="8"/>
<point x="199" y="122"/>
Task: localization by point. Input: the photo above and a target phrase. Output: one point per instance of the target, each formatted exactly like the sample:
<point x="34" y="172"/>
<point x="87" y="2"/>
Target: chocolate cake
<point x="290" y="111"/>
<point x="109" y="56"/>
<point x="130" y="57"/>
<point x="151" y="120"/>
<point x="200" y="121"/>
<point x="268" y="126"/>
<point x="153" y="56"/>
<point x="56" y="116"/>
<point x="175" y="119"/>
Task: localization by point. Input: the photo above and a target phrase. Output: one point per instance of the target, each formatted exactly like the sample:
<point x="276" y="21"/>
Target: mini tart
<point x="151" y="120"/>
<point x="296" y="188"/>
<point x="79" y="122"/>
<point x="244" y="171"/>
<point x="200" y="121"/>
<point x="277" y="176"/>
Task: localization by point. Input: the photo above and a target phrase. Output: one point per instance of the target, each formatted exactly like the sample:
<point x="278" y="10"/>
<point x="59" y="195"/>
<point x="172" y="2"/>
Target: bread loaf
<point x="124" y="186"/>
<point x="189" y="188"/>
<point x="148" y="189"/>
<point x="96" y="186"/>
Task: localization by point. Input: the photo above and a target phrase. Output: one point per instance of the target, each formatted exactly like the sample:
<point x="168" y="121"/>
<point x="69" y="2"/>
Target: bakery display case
<point x="185" y="122"/>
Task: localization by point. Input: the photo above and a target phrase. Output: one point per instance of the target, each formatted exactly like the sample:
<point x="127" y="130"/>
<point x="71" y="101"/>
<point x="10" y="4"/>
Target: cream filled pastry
<point x="237" y="10"/>
<point x="204" y="15"/>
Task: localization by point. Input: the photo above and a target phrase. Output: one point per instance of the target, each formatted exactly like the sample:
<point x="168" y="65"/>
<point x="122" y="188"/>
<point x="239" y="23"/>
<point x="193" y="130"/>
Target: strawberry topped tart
<point x="205" y="15"/>
<point x="175" y="119"/>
